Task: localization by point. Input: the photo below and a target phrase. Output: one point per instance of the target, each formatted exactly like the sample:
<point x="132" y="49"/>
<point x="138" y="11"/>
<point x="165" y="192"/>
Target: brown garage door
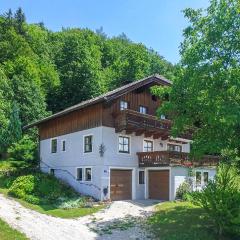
<point x="159" y="184"/>
<point x="121" y="184"/>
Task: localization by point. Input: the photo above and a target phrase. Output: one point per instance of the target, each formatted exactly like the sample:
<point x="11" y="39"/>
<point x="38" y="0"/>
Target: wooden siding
<point x="85" y="118"/>
<point x="100" y="114"/>
<point x="135" y="99"/>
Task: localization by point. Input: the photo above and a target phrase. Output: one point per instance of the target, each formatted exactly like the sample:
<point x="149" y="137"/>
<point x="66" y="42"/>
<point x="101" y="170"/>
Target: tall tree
<point x="206" y="94"/>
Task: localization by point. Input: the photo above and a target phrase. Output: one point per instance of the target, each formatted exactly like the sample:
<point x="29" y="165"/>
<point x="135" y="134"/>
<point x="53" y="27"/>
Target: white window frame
<point x="146" y="108"/>
<point x="141" y="184"/>
<point x="175" y="144"/>
<point x="126" y="136"/>
<point x="88" y="135"/>
<point x="85" y="174"/>
<point x="63" y="140"/>
<point x="123" y="101"/>
<point x="149" y="140"/>
<point x="202" y="171"/>
<point x="51" y="145"/>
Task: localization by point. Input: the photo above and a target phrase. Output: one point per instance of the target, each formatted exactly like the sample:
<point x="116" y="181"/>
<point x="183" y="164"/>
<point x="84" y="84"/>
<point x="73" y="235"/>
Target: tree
<point x="13" y="132"/>
<point x="206" y="95"/>
<point x="20" y="20"/>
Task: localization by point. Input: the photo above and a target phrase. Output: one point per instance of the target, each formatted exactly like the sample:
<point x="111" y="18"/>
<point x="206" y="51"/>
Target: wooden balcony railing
<point x="168" y="158"/>
<point x="132" y="120"/>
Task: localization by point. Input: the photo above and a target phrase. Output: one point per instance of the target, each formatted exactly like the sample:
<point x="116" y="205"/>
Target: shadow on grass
<point x="181" y="221"/>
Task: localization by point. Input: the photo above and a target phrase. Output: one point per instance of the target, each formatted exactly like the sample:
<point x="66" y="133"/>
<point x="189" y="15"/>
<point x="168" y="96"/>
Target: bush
<point x="24" y="150"/>
<point x="221" y="200"/>
<point x="183" y="190"/>
<point x="40" y="188"/>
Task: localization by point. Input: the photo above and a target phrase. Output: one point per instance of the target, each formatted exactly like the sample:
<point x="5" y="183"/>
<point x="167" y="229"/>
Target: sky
<point x="158" y="24"/>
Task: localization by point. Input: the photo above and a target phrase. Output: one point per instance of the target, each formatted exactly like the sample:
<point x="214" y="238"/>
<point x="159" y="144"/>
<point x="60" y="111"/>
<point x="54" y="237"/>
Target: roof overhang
<point x="107" y="97"/>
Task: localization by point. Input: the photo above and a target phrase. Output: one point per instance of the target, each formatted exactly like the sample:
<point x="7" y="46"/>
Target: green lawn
<point x="52" y="210"/>
<point x="181" y="221"/>
<point x="8" y="233"/>
<point x="48" y="208"/>
<point x="62" y="213"/>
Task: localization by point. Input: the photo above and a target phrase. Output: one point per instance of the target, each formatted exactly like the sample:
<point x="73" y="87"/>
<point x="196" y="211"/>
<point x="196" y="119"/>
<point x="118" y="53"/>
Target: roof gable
<point x="109" y="96"/>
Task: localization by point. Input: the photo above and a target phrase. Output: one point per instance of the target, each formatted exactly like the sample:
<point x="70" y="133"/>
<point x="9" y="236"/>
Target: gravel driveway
<point x="121" y="220"/>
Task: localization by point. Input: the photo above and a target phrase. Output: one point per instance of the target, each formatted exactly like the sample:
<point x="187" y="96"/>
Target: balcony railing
<point x="168" y="158"/>
<point x="132" y="120"/>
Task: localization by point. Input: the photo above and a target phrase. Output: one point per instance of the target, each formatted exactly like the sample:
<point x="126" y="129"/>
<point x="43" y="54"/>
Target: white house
<point x="113" y="147"/>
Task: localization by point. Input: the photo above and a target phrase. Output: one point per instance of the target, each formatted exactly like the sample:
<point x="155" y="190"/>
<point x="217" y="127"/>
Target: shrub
<point x="24" y="150"/>
<point x="183" y="190"/>
<point x="22" y="186"/>
<point x="221" y="200"/>
<point x="41" y="188"/>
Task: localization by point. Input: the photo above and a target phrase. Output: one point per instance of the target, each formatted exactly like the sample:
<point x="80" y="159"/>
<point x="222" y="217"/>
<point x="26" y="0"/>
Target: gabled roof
<point x="158" y="79"/>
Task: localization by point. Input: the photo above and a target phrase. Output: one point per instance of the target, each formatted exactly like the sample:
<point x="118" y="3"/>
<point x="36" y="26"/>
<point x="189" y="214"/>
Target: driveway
<point x="121" y="220"/>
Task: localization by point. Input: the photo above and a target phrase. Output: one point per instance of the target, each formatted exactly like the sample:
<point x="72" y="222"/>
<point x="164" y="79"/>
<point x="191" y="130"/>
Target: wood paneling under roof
<point x="85" y="118"/>
<point x="102" y="110"/>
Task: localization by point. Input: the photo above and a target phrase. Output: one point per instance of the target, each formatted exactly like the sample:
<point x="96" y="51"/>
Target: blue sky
<point x="156" y="23"/>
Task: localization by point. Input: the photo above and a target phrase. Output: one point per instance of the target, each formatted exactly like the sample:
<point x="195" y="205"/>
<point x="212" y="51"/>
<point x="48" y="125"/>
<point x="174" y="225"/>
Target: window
<point x="79" y="174"/>
<point x="123" y="105"/>
<point x="88" y="144"/>
<point x="63" y="145"/>
<point x="123" y="144"/>
<point x="52" y="171"/>
<point x="174" y="148"/>
<point x="163" y="116"/>
<point x="205" y="177"/>
<point x="54" y="146"/>
<point x="198" y="178"/>
<point x="88" y="174"/>
<point x="143" y="109"/>
<point x="147" y="146"/>
<point x="141" y="177"/>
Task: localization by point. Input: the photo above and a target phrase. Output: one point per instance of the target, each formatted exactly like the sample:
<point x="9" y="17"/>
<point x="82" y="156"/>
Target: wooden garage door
<point x="159" y="184"/>
<point x="121" y="184"/>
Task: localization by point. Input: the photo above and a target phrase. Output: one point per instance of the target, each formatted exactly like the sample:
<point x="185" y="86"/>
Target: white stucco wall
<point x="65" y="163"/>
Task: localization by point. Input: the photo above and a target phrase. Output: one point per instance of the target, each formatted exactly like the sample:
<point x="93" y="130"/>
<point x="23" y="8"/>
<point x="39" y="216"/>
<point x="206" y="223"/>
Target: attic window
<point x="123" y="105"/>
<point x="154" y="98"/>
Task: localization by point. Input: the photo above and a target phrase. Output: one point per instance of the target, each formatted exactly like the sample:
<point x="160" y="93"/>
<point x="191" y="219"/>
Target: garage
<point x="158" y="182"/>
<point x="121" y="184"/>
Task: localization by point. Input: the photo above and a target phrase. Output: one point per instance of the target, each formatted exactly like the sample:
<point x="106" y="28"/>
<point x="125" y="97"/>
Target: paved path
<point x="102" y="225"/>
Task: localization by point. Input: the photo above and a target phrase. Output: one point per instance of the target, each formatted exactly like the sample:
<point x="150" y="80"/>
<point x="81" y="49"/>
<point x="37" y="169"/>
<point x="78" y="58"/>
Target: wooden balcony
<point x="132" y="121"/>
<point x="168" y="158"/>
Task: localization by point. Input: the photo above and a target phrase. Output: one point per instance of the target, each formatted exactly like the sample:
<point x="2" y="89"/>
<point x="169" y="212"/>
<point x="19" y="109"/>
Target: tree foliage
<point x="43" y="71"/>
<point x="206" y="94"/>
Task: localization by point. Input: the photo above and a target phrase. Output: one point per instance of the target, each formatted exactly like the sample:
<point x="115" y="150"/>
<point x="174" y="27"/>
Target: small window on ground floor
<point x="52" y="171"/>
<point x="141" y="177"/>
<point x="198" y="178"/>
<point x="88" y="174"/>
<point x="79" y="174"/>
<point x="205" y="177"/>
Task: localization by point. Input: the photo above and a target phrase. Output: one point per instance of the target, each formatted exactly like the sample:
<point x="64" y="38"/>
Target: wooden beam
<point x="139" y="132"/>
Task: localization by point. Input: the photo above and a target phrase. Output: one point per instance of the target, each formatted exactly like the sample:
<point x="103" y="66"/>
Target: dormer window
<point x="143" y="110"/>
<point x="123" y="105"/>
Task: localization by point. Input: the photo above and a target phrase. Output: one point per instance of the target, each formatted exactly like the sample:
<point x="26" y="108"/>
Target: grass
<point x="49" y="186"/>
<point x="53" y="210"/>
<point x="181" y="221"/>
<point x="8" y="233"/>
